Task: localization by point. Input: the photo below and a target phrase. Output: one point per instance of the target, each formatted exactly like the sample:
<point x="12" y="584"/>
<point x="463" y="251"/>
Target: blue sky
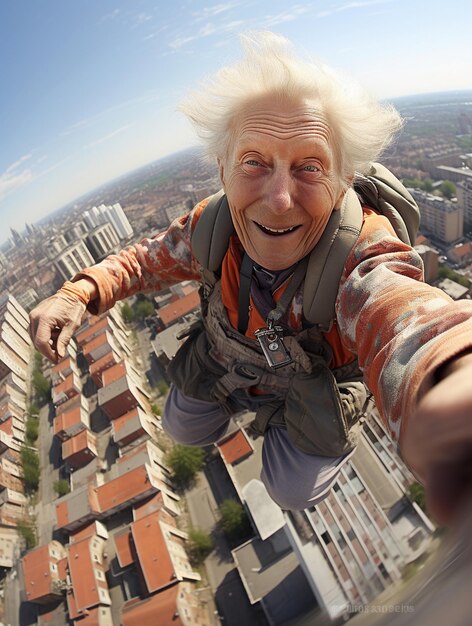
<point x="89" y="88"/>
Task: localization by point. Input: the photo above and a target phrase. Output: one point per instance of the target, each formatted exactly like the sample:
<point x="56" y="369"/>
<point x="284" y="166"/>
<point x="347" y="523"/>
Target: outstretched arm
<point x="411" y="340"/>
<point x="150" y="265"/>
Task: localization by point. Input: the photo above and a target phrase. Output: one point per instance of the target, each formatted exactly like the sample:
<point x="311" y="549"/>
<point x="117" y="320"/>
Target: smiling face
<point x="280" y="179"/>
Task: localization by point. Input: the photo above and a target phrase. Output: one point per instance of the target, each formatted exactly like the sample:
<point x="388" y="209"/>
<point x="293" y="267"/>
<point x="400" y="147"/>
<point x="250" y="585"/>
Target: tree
<point x="448" y="189"/>
<point x="31" y="478"/>
<point x="42" y="387"/>
<point x="185" y="462"/>
<point x="61" y="487"/>
<point x="27" y="531"/>
<point x="416" y="494"/>
<point x="144" y="309"/>
<point x="127" y="313"/>
<point x="428" y="185"/>
<point x="163" y="387"/>
<point x="234" y="520"/>
<point x="200" y="544"/>
<point x="32" y="429"/>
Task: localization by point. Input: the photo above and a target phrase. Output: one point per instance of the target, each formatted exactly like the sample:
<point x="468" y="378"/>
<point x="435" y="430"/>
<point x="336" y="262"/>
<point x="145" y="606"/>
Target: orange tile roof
<point x="92" y="329"/>
<point x="63" y="364"/>
<point x="84" y="533"/>
<point x="131" y="485"/>
<point x="81" y="441"/>
<point x="124" y="552"/>
<point x="160" y="608"/>
<point x="173" y="311"/>
<point x="37" y="573"/>
<point x="235" y="447"/>
<point x="153" y="555"/>
<point x="120" y="422"/>
<point x="150" y="505"/>
<point x="115" y="372"/>
<point x="81" y="570"/>
<point x="62" y="514"/>
<point x="105" y="361"/>
<point x="67" y="419"/>
<point x="67" y="384"/>
<point x="95" y="343"/>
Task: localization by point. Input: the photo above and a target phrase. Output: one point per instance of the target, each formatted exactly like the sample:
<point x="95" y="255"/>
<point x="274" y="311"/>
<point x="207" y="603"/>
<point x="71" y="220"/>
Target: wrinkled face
<point x="280" y="179"/>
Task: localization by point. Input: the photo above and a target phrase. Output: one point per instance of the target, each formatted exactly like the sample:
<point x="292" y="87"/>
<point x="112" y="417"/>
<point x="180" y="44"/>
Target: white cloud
<point x="109" y="16"/>
<point x="11" y="180"/>
<point x="109" y="136"/>
<point x="207" y="12"/>
<point x="289" y="15"/>
<point x="351" y="5"/>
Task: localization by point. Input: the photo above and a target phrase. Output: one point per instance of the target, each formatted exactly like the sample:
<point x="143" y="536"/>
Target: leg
<point x="296" y="480"/>
<point x="193" y="422"/>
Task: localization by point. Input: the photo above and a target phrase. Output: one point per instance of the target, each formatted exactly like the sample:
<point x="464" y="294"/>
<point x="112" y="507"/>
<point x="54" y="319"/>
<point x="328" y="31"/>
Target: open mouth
<point x="276" y="232"/>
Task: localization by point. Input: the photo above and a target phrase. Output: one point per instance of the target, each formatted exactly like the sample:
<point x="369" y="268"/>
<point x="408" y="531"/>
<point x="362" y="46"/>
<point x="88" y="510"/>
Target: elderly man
<point x="289" y="138"/>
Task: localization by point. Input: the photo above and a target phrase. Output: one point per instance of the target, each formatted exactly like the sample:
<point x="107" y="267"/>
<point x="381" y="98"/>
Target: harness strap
<point x="245" y="278"/>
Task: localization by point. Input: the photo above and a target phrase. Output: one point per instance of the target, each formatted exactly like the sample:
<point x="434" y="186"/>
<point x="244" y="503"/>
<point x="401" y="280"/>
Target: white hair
<point x="362" y="126"/>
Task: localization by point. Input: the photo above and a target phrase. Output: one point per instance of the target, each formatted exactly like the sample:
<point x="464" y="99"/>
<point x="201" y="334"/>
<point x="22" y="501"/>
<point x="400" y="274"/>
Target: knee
<point x="290" y="497"/>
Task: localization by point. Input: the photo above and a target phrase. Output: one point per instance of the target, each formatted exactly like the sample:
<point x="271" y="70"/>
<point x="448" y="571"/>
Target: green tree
<point x="234" y="520"/>
<point x="127" y="313"/>
<point x="144" y="309"/>
<point x="199" y="545"/>
<point x="416" y="494"/>
<point x="29" y="457"/>
<point x="32" y="430"/>
<point x="27" y="531"/>
<point x="185" y="462"/>
<point x="448" y="189"/>
<point x="61" y="487"/>
<point x="428" y="185"/>
<point x="31" y="478"/>
<point x="42" y="387"/>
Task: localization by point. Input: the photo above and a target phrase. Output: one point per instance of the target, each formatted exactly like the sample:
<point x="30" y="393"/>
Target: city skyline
<point x="90" y="90"/>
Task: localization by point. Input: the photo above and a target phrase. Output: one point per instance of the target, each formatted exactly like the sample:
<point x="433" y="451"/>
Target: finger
<point x="44" y="340"/>
<point x="63" y="339"/>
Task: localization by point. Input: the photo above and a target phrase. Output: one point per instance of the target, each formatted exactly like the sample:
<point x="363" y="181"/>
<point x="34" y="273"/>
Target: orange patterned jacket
<point x="400" y="328"/>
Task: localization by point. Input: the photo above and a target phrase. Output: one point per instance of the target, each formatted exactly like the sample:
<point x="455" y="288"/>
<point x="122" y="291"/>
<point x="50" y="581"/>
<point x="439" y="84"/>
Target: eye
<point x="252" y="162"/>
<point x="311" y="168"/>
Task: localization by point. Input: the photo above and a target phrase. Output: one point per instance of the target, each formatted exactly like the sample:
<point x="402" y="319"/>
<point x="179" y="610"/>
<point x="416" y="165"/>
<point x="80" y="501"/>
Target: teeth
<point x="278" y="230"/>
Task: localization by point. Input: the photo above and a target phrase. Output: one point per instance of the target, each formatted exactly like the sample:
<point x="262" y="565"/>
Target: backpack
<point x="379" y="189"/>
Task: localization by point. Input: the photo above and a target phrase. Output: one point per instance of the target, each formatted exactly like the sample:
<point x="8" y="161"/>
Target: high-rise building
<point x="112" y="214"/>
<point x="443" y="219"/>
<point x="464" y="199"/>
<point x="102" y="240"/>
<point x="73" y="259"/>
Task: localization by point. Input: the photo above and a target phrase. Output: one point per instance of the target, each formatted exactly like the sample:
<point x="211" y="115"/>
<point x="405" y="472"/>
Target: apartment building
<point x="134" y="427"/>
<point x="440" y="217"/>
<point x="122" y="391"/>
<point x="464" y="199"/>
<point x="44" y="573"/>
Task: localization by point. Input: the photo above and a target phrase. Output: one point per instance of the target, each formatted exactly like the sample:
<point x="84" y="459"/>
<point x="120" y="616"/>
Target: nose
<point x="278" y="191"/>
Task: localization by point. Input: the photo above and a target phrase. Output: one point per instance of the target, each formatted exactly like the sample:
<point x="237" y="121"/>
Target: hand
<point x="53" y="322"/>
<point x="437" y="443"/>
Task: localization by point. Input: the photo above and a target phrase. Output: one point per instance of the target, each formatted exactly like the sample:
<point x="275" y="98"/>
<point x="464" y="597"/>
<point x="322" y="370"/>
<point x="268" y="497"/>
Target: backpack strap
<point x="327" y="261"/>
<point x="382" y="191"/>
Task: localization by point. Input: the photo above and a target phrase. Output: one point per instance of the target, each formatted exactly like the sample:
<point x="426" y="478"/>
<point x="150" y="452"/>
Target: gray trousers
<point x="294" y="480"/>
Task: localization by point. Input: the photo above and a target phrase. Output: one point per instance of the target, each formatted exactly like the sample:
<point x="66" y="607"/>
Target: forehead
<point x="270" y="118"/>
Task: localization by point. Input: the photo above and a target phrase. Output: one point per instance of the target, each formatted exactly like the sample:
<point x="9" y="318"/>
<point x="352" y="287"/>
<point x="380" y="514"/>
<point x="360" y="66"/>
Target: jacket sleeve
<point x="150" y="265"/>
<point x="401" y="328"/>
